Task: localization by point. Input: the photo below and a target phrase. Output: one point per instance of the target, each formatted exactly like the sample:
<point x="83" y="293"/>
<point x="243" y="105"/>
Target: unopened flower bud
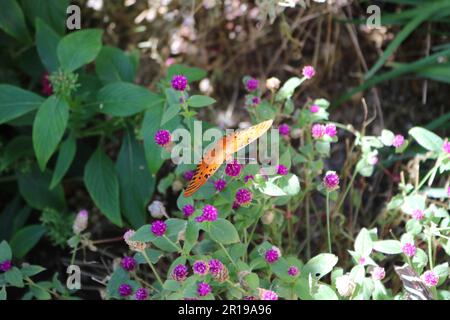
<point x="177" y="185"/>
<point x="267" y="218"/>
<point x="272" y="84"/>
<point x="157" y="209"/>
<point x="133" y="245"/>
<point x="81" y="222"/>
<point x="345" y="285"/>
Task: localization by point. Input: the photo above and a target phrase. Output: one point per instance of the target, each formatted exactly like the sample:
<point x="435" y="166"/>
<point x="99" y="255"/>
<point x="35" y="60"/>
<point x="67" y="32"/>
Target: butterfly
<point x="413" y="285"/>
<point x="222" y="151"/>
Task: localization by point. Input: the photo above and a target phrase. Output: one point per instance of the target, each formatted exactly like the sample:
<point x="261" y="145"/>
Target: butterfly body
<point x="223" y="151"/>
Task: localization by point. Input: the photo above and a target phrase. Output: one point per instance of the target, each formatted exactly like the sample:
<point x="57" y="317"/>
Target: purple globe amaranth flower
<point x="398" y="141"/>
<point x="293" y="271"/>
<point x="314" y="108"/>
<point x="282" y="170"/>
<point x="272" y="255"/>
<point x="128" y="263"/>
<point x="128" y="234"/>
<point x="5" y="265"/>
<point x="220" y="184"/>
<point x="200" y="267"/>
<point x="362" y="261"/>
<point x="209" y="213"/>
<point x="188" y="175"/>
<point x="81" y="222"/>
<point x="418" y="214"/>
<point x="141" y="294"/>
<point x="317" y="131"/>
<point x="430" y="278"/>
<point x="179" y="82"/>
<point x="243" y="196"/>
<point x="446" y="146"/>
<point x="251" y="84"/>
<point x="203" y="289"/>
<point x="125" y="290"/>
<point x="233" y="169"/>
<point x="158" y="228"/>
<point x="378" y="273"/>
<point x="47" y="88"/>
<point x="409" y="249"/>
<point x="308" y="72"/>
<point x="215" y="266"/>
<point x="267" y="294"/>
<point x="330" y="130"/>
<point x="248" y="177"/>
<point x="162" y="137"/>
<point x="331" y="180"/>
<point x="180" y="272"/>
<point x="188" y="210"/>
<point x="235" y="205"/>
<point x="284" y="129"/>
<point x="256" y="101"/>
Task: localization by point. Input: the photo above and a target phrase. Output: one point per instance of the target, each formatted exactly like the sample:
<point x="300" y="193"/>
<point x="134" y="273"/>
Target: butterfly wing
<point x="413" y="285"/>
<point x="223" y="150"/>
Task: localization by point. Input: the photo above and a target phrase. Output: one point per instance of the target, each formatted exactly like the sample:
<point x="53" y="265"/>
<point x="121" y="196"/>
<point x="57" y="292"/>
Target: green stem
<point x="172" y="243"/>
<point x="430" y="251"/>
<point x="328" y="222"/>
<point x="228" y="254"/>
<point x="152" y="267"/>
<point x="308" y="230"/>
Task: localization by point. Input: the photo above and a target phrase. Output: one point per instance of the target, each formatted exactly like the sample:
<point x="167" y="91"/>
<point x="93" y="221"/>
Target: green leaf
<point x="12" y="21"/>
<point x="5" y="251"/>
<point x="143" y="234"/>
<point x="288" y="88"/>
<point x="135" y="180"/>
<point x="426" y="139"/>
<point x="46" y="43"/>
<point x="174" y="228"/>
<point x="14" y="277"/>
<point x="48" y="128"/>
<point x="197" y="101"/>
<point x="388" y="246"/>
<point x="34" y="188"/>
<point x="25" y="239"/>
<point x="124" y="99"/>
<point x="192" y="74"/>
<point x="113" y="65"/>
<point x="223" y="231"/>
<point x="102" y="183"/>
<point x="15" y="102"/>
<point x="31" y="270"/>
<point x="191" y="236"/>
<point x="64" y="160"/>
<point x="363" y="243"/>
<point x="17" y="148"/>
<point x="277" y="186"/>
<point x="79" y="48"/>
<point x="320" y="265"/>
<point x="324" y="292"/>
<point x="3" y="295"/>
<point x="52" y="12"/>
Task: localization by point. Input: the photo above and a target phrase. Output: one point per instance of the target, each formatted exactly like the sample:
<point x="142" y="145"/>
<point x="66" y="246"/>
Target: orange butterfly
<point x="223" y="151"/>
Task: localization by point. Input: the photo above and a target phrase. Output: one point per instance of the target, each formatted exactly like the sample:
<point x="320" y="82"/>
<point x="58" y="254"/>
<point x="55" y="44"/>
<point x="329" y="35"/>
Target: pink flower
<point x="282" y="170"/>
<point x="203" y="289"/>
<point x="248" y="177"/>
<point x="272" y="255"/>
<point x="314" y="108"/>
<point x="398" y="141"/>
<point x="162" y="137"/>
<point x="446" y="146"/>
<point x="267" y="295"/>
<point x="200" y="267"/>
<point x="318" y="131"/>
<point x="378" y="273"/>
<point x="209" y="213"/>
<point x="418" y="214"/>
<point x="430" y="278"/>
<point x="188" y="175"/>
<point x="243" y="196"/>
<point x="220" y="184"/>
<point x="284" y="129"/>
<point x="158" y="228"/>
<point x="330" y="130"/>
<point x="233" y="169"/>
<point x="373" y="160"/>
<point x="331" y="180"/>
<point x="362" y="261"/>
<point x="188" y="210"/>
<point x="293" y="271"/>
<point x="179" y="273"/>
<point x="179" y="82"/>
<point x="409" y="249"/>
<point x="308" y="72"/>
<point x="128" y="263"/>
<point x="47" y="88"/>
<point x="252" y="84"/>
<point x="255" y="101"/>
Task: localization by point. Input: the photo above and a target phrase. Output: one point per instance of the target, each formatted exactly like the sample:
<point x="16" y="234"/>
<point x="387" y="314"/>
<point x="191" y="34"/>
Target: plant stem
<point x="228" y="254"/>
<point x="172" y="243"/>
<point x="430" y="251"/>
<point x="308" y="229"/>
<point x="152" y="267"/>
<point x="328" y="222"/>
